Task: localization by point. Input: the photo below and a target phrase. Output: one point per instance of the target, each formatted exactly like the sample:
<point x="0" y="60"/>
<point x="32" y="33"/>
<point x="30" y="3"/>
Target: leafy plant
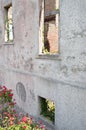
<point x="9" y="119"/>
<point x="47" y="109"/>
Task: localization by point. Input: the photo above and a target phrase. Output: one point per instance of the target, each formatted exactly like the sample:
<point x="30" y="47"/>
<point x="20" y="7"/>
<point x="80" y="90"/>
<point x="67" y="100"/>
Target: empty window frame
<point x="47" y="109"/>
<point x="48" y="24"/>
<point x="8" y="24"/>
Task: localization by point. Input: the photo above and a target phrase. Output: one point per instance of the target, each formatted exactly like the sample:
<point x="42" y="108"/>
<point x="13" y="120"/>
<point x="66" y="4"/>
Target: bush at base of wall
<point x="9" y="119"/>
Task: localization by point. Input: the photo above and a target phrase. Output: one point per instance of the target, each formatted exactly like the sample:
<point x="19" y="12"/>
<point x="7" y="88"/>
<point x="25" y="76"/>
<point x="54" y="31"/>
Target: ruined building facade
<point x="43" y="56"/>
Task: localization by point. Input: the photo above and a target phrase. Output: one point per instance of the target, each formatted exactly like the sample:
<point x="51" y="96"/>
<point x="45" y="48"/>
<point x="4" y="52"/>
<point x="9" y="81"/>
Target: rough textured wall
<point x="50" y="5"/>
<point x="60" y="78"/>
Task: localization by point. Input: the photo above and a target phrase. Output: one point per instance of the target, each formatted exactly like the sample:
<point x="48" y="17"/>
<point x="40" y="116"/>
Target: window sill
<point x="48" y="123"/>
<point x="8" y="43"/>
<point x="49" y="56"/>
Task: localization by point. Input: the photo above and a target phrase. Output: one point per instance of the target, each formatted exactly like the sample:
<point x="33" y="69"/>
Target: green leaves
<point x="9" y="119"/>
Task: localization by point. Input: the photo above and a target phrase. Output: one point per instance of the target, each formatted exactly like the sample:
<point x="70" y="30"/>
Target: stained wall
<point x="60" y="78"/>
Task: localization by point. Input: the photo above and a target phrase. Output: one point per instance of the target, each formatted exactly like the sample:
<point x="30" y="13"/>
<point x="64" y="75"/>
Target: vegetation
<point x="47" y="109"/>
<point x="9" y="119"/>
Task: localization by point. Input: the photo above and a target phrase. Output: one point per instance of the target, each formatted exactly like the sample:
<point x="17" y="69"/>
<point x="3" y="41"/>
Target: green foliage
<point x="9" y="119"/>
<point x="47" y="109"/>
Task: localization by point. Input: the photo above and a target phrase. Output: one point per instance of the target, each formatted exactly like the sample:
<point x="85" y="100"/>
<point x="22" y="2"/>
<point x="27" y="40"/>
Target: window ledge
<point x="48" y="123"/>
<point x="8" y="43"/>
<point x="49" y="56"/>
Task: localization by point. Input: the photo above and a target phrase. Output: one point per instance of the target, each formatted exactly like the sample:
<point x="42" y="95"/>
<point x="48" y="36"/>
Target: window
<point x="48" y="23"/>
<point x="47" y="109"/>
<point x="8" y="24"/>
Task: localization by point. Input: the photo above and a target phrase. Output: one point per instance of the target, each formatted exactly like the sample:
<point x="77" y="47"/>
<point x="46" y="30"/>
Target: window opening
<point x="48" y="32"/>
<point x="47" y="109"/>
<point x="8" y="24"/>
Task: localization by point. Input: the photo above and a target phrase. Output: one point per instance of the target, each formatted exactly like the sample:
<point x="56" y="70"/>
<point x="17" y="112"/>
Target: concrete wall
<point x="60" y="78"/>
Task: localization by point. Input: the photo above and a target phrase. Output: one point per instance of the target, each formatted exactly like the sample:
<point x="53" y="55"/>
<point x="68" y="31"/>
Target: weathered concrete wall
<point x="60" y="78"/>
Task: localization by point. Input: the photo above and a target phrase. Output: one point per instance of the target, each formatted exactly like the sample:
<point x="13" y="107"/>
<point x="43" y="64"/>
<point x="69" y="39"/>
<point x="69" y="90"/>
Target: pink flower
<point x="42" y="127"/>
<point x="16" y="115"/>
<point x="24" y="119"/>
<point x="14" y="110"/>
<point x="40" y="122"/>
<point x="12" y="118"/>
<point x="4" y="87"/>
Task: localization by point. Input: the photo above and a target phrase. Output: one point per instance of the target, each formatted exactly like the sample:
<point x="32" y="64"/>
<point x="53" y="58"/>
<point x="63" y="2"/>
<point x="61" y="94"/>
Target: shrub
<point x="9" y="119"/>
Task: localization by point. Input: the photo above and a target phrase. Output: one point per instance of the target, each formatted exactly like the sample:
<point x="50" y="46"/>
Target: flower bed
<point x="9" y="119"/>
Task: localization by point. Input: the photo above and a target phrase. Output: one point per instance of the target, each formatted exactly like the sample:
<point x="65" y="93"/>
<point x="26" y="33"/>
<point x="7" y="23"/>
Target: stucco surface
<point x="60" y="78"/>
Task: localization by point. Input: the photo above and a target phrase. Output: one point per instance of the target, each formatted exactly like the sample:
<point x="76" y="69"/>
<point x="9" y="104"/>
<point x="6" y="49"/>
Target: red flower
<point x="24" y="119"/>
<point x="24" y="127"/>
<point x="10" y="94"/>
<point x="4" y="87"/>
<point x="0" y="94"/>
<point x="42" y="127"/>
<point x="12" y="103"/>
<point x="37" y="127"/>
<point x="4" y="91"/>
<point x="14" y="111"/>
<point x="31" y="117"/>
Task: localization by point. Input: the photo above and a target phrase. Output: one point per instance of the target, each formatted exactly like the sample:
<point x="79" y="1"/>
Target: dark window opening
<point x="47" y="109"/>
<point x="49" y="17"/>
<point x="8" y="24"/>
